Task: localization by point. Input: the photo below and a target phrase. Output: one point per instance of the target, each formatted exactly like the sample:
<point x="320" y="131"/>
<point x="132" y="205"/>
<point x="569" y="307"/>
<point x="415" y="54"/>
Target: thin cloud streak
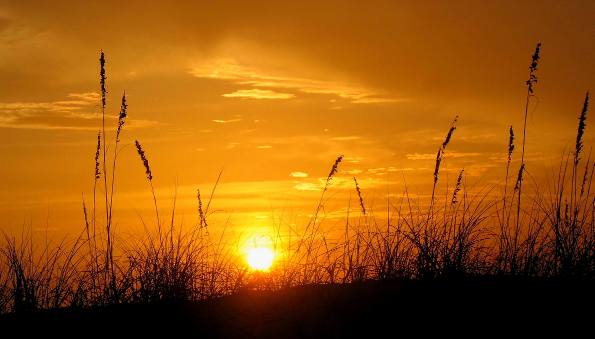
<point x="221" y="121"/>
<point x="229" y="69"/>
<point x="258" y="94"/>
<point x="432" y="156"/>
<point x="66" y="114"/>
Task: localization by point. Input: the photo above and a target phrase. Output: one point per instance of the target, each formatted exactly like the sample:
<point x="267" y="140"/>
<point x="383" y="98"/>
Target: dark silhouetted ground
<point x="472" y="307"/>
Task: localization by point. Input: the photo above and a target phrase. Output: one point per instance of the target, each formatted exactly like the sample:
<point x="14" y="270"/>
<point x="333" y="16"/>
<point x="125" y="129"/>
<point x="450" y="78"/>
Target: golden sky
<point x="272" y="93"/>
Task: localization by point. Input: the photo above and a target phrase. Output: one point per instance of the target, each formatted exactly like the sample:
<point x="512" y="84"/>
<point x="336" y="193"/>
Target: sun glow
<point x="259" y="252"/>
<point x="260" y="258"/>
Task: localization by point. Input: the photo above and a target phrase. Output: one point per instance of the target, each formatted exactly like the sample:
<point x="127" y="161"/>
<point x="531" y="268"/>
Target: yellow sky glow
<point x="271" y="94"/>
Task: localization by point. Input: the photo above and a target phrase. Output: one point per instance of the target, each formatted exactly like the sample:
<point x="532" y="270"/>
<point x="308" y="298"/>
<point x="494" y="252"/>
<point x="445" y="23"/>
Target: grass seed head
<point x="102" y="78"/>
<point x="510" y="143"/>
<point x="457" y="187"/>
<point x="144" y="159"/>
<point x="581" y="130"/>
<point x="359" y="194"/>
<point x="97" y="150"/>
<point x="335" y="168"/>
<point x="519" y="179"/>
<point x="533" y="68"/>
<point x="121" y="117"/>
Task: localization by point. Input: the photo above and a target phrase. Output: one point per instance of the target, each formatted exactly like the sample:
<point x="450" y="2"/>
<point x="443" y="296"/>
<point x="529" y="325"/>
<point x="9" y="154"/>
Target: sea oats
<point x="457" y="187"/>
<point x="121" y="117"/>
<point x="201" y="214"/>
<point x="335" y="168"/>
<point x="519" y="178"/>
<point x="102" y="78"/>
<point x="442" y="148"/>
<point x="97" y="152"/>
<point x="533" y="68"/>
<point x="144" y="159"/>
<point x="581" y="130"/>
<point x="510" y="143"/>
<point x="359" y="194"/>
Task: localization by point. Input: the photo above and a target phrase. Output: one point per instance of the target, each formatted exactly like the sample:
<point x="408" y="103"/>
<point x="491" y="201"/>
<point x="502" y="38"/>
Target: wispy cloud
<point x="346" y="138"/>
<point x="232" y="145"/>
<point x="352" y="160"/>
<point x="432" y="156"/>
<point x="231" y="70"/>
<point x="298" y="174"/>
<point x="221" y="121"/>
<point x="353" y="171"/>
<point x="258" y="94"/>
<point x="264" y="147"/>
<point x="88" y="96"/>
<point x="306" y="186"/>
<point x="371" y="100"/>
<point x="73" y="113"/>
<point x="391" y="169"/>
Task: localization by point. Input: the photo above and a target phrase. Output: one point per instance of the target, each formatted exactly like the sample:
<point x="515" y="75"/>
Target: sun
<point x="260" y="258"/>
<point x="259" y="251"/>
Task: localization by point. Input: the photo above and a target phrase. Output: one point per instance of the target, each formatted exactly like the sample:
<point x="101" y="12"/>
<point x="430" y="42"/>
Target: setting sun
<point x="260" y="259"/>
<point x="305" y="169"/>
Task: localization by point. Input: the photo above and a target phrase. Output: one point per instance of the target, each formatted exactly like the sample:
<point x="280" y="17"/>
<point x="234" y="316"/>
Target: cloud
<point x="264" y="147"/>
<point x="298" y="174"/>
<point x="346" y="138"/>
<point x="391" y="169"/>
<point x="232" y="145"/>
<point x="369" y="100"/>
<point x="353" y="171"/>
<point x="352" y="160"/>
<point x="88" y="96"/>
<point x="72" y="113"/>
<point x="432" y="156"/>
<point x="258" y="94"/>
<point x="221" y="121"/>
<point x="229" y="69"/>
<point x="307" y="186"/>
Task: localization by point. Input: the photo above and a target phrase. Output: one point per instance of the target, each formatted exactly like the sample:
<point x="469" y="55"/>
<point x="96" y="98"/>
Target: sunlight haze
<point x="271" y="94"/>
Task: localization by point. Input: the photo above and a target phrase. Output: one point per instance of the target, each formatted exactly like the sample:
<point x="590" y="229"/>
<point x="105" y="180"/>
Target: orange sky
<point x="272" y="93"/>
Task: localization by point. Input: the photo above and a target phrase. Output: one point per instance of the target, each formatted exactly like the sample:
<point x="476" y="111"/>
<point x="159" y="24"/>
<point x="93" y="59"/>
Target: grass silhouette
<point x="464" y="235"/>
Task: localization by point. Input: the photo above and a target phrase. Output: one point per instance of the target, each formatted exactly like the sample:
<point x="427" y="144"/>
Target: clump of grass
<point x="570" y="213"/>
<point x="44" y="279"/>
<point x="424" y="234"/>
<point x="306" y="251"/>
<point x="451" y="239"/>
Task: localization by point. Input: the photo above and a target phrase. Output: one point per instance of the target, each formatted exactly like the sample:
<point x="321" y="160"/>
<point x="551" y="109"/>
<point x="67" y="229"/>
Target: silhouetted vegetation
<point x="461" y="234"/>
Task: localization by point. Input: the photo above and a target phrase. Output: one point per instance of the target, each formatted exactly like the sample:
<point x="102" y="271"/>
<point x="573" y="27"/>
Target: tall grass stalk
<point x="531" y="81"/>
